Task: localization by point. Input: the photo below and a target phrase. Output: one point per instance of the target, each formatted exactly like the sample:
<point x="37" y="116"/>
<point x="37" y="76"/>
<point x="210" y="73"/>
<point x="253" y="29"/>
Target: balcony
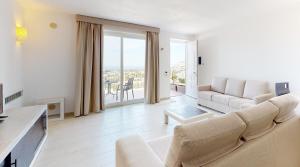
<point x="133" y="85"/>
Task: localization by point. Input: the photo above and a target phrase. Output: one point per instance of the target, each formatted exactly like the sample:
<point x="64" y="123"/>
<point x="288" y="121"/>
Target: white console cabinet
<point x="22" y="135"/>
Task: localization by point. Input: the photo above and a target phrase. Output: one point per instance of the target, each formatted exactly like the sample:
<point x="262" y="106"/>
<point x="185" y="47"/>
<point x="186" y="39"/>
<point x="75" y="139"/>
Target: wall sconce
<point x="53" y="25"/>
<point x="21" y="34"/>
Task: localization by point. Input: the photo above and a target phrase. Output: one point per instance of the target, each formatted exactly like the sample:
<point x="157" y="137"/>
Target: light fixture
<point x="21" y="33"/>
<point x="53" y="25"/>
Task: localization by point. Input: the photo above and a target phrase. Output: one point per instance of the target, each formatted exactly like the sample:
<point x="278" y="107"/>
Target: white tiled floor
<point x="90" y="141"/>
<point x="174" y="93"/>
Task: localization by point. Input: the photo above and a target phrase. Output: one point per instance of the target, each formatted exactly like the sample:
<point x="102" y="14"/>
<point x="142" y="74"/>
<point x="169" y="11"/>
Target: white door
<point x="191" y="69"/>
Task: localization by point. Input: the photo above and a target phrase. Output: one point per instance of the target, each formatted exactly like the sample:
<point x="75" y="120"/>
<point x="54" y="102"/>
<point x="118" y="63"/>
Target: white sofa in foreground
<point x="227" y="94"/>
<point x="265" y="135"/>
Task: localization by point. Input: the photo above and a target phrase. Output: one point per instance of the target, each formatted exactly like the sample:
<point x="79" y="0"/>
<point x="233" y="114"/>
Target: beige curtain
<point x="89" y="53"/>
<point x="152" y="68"/>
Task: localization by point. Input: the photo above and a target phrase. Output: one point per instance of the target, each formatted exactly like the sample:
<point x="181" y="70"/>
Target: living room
<point x="104" y="97"/>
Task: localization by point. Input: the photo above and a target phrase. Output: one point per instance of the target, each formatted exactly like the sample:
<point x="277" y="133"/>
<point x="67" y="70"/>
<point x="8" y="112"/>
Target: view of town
<point x="178" y="73"/>
<point x="133" y="68"/>
<point x="113" y="76"/>
<point x="177" y="57"/>
<point x="133" y="62"/>
<point x="131" y="91"/>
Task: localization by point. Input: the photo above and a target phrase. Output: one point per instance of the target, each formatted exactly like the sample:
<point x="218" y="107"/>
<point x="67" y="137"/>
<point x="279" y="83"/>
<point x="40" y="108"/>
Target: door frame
<point x="186" y="60"/>
<point x="123" y="35"/>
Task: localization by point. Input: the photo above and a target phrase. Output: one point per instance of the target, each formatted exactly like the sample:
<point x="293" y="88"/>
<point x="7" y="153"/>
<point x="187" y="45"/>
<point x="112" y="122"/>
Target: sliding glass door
<point x="134" y="67"/>
<point x="112" y="69"/>
<point x="124" y="66"/>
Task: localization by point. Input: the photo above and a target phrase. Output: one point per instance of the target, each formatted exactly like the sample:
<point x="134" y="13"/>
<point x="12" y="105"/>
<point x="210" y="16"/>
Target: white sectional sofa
<point x="228" y="94"/>
<point x="265" y="135"/>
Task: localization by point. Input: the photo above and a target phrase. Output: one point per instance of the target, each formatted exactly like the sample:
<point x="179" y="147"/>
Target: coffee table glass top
<point x="187" y="111"/>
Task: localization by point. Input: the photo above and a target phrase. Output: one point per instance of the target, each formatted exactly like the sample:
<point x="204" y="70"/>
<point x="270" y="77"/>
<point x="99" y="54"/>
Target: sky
<point x="177" y="52"/>
<point x="134" y="53"/>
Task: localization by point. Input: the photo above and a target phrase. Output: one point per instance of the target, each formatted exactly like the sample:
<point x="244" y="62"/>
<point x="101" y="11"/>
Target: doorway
<point x="178" y="67"/>
<point x="183" y="64"/>
<point x="124" y="68"/>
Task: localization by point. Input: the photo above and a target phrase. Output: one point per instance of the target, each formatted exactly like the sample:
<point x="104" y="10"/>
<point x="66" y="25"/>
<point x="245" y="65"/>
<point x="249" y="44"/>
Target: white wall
<point x="10" y="52"/>
<point x="261" y="48"/>
<point x="49" y="63"/>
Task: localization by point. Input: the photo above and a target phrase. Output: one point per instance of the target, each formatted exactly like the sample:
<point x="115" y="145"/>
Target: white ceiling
<point x="181" y="16"/>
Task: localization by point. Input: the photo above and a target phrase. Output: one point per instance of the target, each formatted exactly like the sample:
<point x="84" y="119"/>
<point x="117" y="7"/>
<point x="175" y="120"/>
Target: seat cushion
<point x="128" y="153"/>
<point x="207" y="95"/>
<point x="201" y="142"/>
<point x="255" y="88"/>
<point x="160" y="146"/>
<point x="286" y="104"/>
<point x="239" y="103"/>
<point x="218" y="84"/>
<point x="235" y="87"/>
<point x="222" y="99"/>
<point x="259" y="119"/>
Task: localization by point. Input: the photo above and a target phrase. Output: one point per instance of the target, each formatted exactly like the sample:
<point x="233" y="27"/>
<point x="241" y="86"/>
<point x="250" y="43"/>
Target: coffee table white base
<point x="183" y="120"/>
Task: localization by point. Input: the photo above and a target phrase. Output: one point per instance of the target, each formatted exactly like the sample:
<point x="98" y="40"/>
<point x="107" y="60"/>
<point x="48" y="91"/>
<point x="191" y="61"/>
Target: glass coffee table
<point x="187" y="114"/>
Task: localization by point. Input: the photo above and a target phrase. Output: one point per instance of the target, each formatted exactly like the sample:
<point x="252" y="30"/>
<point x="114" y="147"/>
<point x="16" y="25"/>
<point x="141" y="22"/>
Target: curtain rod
<point x="96" y="20"/>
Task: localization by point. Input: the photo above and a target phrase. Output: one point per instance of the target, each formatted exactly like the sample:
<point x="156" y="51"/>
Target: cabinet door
<point x="6" y="162"/>
<point x="25" y="150"/>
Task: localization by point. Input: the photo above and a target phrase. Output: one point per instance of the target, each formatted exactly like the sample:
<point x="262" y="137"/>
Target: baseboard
<point x="165" y="98"/>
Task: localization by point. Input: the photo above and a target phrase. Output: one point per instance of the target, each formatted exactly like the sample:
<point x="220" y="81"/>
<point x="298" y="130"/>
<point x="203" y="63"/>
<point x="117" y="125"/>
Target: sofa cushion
<point x="207" y="95"/>
<point x="204" y="88"/>
<point x="235" y="87"/>
<point x="218" y="84"/>
<point x="247" y="105"/>
<point x="259" y="119"/>
<point x="286" y="104"/>
<point x="255" y="88"/>
<point x="134" y="151"/>
<point x="161" y="146"/>
<point x="222" y="99"/>
<point x="201" y="142"/>
<point x="240" y="103"/>
<point x="261" y="98"/>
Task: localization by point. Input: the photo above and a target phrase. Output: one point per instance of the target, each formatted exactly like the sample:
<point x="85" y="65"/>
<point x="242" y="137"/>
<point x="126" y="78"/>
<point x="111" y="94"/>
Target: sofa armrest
<point x="262" y="98"/>
<point x="133" y="151"/>
<point x="204" y="88"/>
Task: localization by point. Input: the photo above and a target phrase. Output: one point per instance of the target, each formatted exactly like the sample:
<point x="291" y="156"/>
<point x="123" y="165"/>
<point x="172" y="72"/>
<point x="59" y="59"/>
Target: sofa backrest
<point x="239" y="88"/>
<point x="235" y="87"/>
<point x="218" y="141"/>
<point x="218" y="84"/>
<point x="198" y="143"/>
<point x="278" y="148"/>
<point x="259" y="119"/>
<point x="255" y="88"/>
<point x="286" y="104"/>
